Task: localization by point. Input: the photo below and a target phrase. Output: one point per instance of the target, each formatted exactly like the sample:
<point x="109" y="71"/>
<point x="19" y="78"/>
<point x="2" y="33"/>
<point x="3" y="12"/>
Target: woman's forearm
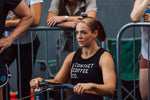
<point x="12" y="23"/>
<point x="139" y="10"/>
<point x="103" y="90"/>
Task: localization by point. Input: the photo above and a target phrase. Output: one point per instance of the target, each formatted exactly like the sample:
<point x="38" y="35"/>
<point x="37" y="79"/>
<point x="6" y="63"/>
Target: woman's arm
<point x="139" y="10"/>
<point x="73" y="20"/>
<point x="62" y="76"/>
<point x="61" y="21"/>
<point x="36" y="10"/>
<point x="109" y="79"/>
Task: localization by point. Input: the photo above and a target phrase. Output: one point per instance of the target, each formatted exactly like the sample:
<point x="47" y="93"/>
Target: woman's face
<point x="84" y="35"/>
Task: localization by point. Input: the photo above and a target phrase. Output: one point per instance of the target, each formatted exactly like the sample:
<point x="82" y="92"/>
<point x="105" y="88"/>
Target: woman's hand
<point x="34" y="83"/>
<point x="55" y="20"/>
<point x="146" y="17"/>
<point x="80" y="88"/>
<point x="76" y="21"/>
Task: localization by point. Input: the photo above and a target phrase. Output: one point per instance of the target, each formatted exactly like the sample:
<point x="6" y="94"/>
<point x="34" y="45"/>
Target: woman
<point x="90" y="69"/>
<point x="66" y="13"/>
<point x="138" y="14"/>
<point x="25" y="44"/>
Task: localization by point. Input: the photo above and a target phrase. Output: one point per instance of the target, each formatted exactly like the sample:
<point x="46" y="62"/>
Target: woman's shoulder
<point x="71" y="55"/>
<point x="106" y="57"/>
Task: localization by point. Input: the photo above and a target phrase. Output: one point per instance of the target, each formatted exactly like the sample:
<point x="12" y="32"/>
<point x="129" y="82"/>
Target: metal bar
<point x="129" y="93"/>
<point x="6" y="91"/>
<point x="44" y="28"/>
<point x="60" y="53"/>
<point x="32" y="55"/>
<point x="134" y="60"/>
<point x="32" y="50"/>
<point x="120" y="32"/>
<point x="19" y="69"/>
<point x="39" y="28"/>
<point x="46" y="58"/>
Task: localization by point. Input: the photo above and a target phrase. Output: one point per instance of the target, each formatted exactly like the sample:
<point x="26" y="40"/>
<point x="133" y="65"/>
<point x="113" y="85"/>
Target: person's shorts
<point x="6" y="55"/>
<point x="144" y="63"/>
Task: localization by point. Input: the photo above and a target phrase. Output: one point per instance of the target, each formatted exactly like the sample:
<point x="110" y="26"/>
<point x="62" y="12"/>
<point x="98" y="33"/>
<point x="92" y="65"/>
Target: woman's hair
<point x="63" y="3"/>
<point x="95" y="25"/>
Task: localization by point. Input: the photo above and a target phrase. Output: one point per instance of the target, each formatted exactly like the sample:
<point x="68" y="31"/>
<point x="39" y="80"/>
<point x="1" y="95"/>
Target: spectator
<point x="91" y="68"/>
<point x="66" y="13"/>
<point x="138" y="14"/>
<point x="20" y="9"/>
<point x="25" y="47"/>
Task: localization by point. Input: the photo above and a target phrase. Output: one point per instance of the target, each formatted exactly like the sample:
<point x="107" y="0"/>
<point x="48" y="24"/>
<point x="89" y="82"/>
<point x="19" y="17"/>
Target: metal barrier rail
<point x="119" y="35"/>
<point x="45" y="29"/>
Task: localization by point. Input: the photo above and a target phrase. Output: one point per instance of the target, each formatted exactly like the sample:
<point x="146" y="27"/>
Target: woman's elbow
<point x="36" y="23"/>
<point x="111" y="92"/>
<point x="134" y="18"/>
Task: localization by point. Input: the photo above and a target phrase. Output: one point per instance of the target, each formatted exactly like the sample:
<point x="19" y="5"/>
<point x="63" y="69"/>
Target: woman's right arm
<point x="139" y="10"/>
<point x="62" y="76"/>
<point x="61" y="21"/>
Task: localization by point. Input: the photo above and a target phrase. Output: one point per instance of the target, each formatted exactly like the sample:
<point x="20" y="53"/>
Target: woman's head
<point x="95" y="25"/>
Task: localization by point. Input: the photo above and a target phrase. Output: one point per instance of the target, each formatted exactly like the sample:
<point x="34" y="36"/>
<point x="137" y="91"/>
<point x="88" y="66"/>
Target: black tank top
<point x="85" y="71"/>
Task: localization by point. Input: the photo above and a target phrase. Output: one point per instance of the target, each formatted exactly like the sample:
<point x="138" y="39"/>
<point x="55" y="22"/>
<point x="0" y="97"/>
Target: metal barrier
<point x="119" y="36"/>
<point x="45" y="29"/>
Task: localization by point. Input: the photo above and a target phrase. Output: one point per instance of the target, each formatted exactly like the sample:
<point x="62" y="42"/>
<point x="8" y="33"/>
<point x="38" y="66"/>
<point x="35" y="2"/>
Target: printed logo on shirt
<point x="80" y="69"/>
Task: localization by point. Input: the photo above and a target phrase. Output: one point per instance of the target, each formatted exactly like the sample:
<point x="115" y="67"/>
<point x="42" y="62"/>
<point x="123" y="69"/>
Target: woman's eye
<point x="83" y="32"/>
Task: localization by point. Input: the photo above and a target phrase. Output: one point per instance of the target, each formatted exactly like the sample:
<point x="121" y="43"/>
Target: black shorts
<point x="6" y="55"/>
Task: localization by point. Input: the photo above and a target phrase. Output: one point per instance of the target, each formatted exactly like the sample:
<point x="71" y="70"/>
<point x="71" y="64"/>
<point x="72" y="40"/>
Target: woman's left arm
<point x="109" y="78"/>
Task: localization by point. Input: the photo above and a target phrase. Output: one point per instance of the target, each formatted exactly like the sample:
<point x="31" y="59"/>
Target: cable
<point x="48" y="89"/>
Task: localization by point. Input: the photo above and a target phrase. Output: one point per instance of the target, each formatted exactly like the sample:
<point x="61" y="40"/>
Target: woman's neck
<point x="88" y="52"/>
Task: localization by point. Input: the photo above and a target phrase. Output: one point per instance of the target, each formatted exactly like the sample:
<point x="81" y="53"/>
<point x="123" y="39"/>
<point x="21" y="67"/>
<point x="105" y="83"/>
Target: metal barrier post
<point x="119" y="54"/>
<point x="39" y="28"/>
<point x="19" y="69"/>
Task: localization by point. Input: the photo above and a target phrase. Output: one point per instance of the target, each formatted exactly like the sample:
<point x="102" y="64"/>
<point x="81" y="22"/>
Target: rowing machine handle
<point x="55" y="85"/>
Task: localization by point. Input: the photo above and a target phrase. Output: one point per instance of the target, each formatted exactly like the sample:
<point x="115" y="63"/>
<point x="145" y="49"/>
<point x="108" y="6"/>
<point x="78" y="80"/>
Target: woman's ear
<point x="96" y="33"/>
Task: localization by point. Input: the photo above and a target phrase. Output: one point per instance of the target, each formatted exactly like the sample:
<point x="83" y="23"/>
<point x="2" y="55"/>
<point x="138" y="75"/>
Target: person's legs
<point x="8" y="57"/>
<point x="143" y="78"/>
<point x="26" y="66"/>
